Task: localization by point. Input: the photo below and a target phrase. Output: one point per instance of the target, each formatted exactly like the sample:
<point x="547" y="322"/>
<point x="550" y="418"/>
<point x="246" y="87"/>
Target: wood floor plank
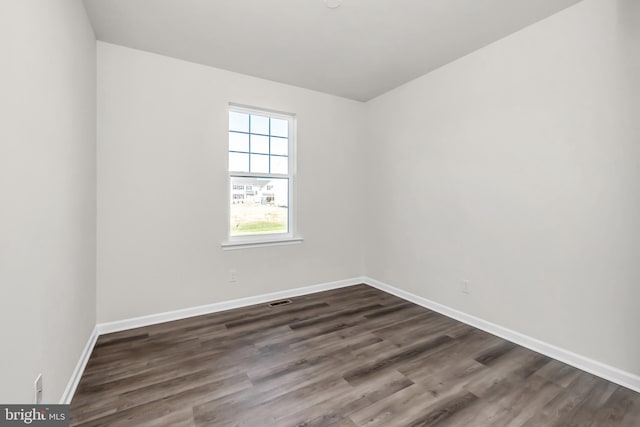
<point x="349" y="357"/>
<point x="621" y="409"/>
<point x="336" y="408"/>
<point x="558" y="373"/>
<point x="442" y="411"/>
<point x="388" y="361"/>
<point x="556" y="412"/>
<point x="400" y="408"/>
<point x="382" y="386"/>
<point x="517" y="401"/>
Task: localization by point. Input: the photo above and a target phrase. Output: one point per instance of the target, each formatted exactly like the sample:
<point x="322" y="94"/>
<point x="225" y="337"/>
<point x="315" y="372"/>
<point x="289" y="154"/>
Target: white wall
<point x="162" y="186"/>
<point x="518" y="168"/>
<point x="47" y="193"/>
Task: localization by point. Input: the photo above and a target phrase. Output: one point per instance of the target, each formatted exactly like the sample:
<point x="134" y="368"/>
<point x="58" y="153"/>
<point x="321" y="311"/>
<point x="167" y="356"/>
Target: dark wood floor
<point x="350" y="357"/>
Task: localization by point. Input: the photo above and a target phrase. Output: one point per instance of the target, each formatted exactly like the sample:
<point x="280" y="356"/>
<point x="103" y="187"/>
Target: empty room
<point x="320" y="213"/>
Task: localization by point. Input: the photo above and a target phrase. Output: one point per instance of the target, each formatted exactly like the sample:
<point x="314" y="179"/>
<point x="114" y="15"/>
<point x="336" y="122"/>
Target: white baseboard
<point x="70" y="390"/>
<point x="152" y="319"/>
<point x="610" y="373"/>
<point x="137" y="322"/>
<point x="594" y="367"/>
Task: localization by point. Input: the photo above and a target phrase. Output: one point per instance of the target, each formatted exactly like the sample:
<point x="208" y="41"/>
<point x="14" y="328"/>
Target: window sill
<point x="257" y="243"/>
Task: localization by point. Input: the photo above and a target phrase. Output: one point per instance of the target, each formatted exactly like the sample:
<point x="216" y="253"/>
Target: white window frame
<point x="270" y="239"/>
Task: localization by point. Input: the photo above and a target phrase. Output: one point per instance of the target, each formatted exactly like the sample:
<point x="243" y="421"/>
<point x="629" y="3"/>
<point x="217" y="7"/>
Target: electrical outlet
<point x="464" y="287"/>
<point x="37" y="389"/>
<point x="233" y="276"/>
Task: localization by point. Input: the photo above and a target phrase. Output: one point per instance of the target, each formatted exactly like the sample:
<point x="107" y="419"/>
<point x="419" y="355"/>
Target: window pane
<point x="280" y="146"/>
<point x="261" y="210"/>
<point x="259" y="163"/>
<point x="279" y="164"/>
<point x="260" y="124"/>
<point x="280" y="127"/>
<point x="238" y="162"/>
<point x="238" y="141"/>
<point x="238" y="121"/>
<point x="259" y="144"/>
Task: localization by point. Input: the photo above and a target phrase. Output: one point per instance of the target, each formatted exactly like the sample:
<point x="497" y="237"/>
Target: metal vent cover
<point x="279" y="303"/>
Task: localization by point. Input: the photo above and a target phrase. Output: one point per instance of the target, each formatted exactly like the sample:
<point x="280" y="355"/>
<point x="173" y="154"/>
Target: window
<point x="260" y="162"/>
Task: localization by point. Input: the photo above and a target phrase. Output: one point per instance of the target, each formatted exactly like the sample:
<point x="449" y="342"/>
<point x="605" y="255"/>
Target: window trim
<point x="268" y="239"/>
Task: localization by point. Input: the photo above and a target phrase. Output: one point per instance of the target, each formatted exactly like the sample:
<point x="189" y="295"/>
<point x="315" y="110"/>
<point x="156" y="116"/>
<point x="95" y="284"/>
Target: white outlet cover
<point x="465" y="287"/>
<point x="37" y="389"/>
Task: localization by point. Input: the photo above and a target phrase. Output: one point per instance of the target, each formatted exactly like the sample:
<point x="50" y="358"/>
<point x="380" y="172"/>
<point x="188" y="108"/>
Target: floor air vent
<point x="278" y="303"/>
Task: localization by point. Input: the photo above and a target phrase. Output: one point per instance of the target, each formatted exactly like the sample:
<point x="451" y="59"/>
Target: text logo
<point x="34" y="415"/>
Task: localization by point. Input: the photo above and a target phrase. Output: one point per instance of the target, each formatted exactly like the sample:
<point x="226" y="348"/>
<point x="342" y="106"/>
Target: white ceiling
<point x="359" y="50"/>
